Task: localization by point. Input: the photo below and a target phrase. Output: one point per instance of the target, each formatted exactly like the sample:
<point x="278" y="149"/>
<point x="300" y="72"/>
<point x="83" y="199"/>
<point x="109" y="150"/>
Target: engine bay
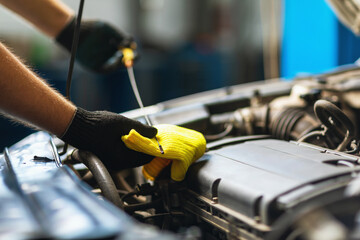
<point x="282" y="162"/>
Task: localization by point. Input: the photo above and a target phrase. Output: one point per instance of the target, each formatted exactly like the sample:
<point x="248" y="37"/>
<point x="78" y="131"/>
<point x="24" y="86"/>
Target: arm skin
<point x="50" y="16"/>
<point x="27" y="97"/>
<point x="23" y="94"/>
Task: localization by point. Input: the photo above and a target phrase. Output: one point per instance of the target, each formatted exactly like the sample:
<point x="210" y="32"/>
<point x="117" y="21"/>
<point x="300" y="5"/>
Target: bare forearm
<point x="50" y="16"/>
<point x="27" y="97"/>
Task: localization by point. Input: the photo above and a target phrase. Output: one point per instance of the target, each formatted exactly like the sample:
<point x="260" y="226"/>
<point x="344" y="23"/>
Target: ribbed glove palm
<point x="182" y="147"/>
<point x="100" y="133"/>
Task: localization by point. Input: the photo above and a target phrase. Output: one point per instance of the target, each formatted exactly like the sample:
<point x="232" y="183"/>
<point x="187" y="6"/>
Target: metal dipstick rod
<point x="130" y="71"/>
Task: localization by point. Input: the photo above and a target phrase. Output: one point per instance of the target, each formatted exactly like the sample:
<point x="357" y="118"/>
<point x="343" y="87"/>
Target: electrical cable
<point x="129" y="194"/>
<point x="142" y="206"/>
<point x="74" y="48"/>
<point x="72" y="58"/>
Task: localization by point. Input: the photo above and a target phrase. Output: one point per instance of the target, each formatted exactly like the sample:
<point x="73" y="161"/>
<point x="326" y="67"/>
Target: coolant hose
<point x="101" y="175"/>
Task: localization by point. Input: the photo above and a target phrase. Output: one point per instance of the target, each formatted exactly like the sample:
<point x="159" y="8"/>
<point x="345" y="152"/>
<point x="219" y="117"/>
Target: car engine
<point x="282" y="162"/>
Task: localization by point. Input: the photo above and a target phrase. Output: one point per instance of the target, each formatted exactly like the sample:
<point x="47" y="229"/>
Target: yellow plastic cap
<point x="128" y="57"/>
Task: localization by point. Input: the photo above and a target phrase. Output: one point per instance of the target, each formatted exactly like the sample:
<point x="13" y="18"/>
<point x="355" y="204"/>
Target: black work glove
<point x="98" y="45"/>
<point x="100" y="133"/>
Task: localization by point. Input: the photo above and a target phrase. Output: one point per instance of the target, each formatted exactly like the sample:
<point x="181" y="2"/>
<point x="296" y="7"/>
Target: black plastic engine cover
<point x="256" y="174"/>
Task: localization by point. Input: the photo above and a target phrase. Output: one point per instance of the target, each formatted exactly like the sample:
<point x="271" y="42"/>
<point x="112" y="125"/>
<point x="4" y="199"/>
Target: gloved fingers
<point x="179" y="169"/>
<point x="116" y="61"/>
<point x="134" y="159"/>
<point x="124" y="161"/>
<point x="120" y="57"/>
<point x="143" y="129"/>
<point x="177" y="142"/>
<point x="99" y="43"/>
<point x="183" y="146"/>
<point x="117" y="156"/>
<point x="136" y="141"/>
<point x="128" y="42"/>
<point x="113" y="62"/>
<point x="153" y="168"/>
<point x="124" y="125"/>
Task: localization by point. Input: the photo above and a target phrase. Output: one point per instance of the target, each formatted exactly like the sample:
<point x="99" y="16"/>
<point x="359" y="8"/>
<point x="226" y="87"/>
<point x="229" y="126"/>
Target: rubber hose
<point x="101" y="175"/>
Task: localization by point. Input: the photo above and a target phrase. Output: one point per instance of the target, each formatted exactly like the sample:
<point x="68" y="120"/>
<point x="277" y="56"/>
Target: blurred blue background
<point x="187" y="47"/>
<point x="314" y="40"/>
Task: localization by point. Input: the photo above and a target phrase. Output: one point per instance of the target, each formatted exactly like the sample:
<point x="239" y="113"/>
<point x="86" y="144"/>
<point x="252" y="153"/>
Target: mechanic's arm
<point x="27" y="97"/>
<point x="50" y="16"/>
<point x="98" y="41"/>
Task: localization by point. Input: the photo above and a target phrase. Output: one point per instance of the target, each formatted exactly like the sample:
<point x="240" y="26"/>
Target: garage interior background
<point x="188" y="46"/>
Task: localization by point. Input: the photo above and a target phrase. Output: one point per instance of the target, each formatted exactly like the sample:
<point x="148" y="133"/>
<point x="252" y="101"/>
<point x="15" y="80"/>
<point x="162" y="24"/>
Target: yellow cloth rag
<point x="181" y="146"/>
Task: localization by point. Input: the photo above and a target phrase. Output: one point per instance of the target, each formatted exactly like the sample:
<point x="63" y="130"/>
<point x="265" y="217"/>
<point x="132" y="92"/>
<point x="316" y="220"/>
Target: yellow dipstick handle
<point x="128" y="57"/>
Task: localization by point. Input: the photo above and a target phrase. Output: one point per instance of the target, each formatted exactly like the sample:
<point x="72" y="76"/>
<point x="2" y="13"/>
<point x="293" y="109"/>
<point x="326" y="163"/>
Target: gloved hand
<point x="100" y="133"/>
<point x="181" y="146"/>
<point x="98" y="42"/>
